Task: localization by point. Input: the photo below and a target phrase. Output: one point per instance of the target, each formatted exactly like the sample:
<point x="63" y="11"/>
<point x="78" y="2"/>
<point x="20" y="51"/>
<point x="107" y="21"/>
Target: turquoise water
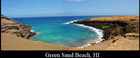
<point x="53" y="30"/>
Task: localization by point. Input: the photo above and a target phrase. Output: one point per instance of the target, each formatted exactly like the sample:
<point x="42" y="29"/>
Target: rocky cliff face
<point x="10" y="26"/>
<point x="113" y="26"/>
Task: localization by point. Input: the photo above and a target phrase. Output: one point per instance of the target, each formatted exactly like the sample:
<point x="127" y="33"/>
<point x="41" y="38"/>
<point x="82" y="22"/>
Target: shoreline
<point x="98" y="31"/>
<point x="11" y="41"/>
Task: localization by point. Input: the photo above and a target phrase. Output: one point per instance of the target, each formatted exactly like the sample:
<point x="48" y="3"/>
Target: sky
<point x="37" y="8"/>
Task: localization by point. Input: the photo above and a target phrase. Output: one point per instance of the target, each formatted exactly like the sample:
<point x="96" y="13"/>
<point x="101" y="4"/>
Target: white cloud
<point x="75" y="0"/>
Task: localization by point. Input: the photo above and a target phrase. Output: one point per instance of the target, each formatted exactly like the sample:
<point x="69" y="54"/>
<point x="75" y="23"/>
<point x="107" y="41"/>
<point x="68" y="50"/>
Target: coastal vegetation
<point x="104" y="27"/>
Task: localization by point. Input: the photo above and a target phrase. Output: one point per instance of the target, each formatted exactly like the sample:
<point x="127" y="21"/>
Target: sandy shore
<point x="121" y="44"/>
<point x="12" y="42"/>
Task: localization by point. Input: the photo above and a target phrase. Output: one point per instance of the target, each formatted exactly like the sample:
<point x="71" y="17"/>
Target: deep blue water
<point x="53" y="30"/>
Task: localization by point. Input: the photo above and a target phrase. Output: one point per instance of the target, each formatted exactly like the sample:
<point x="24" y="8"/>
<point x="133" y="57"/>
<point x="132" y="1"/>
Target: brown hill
<point x="10" y="26"/>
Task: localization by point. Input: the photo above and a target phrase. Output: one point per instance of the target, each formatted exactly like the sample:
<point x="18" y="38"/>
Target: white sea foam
<point x="32" y="31"/>
<point x="70" y="22"/>
<point x="98" y="31"/>
<point x="36" y="32"/>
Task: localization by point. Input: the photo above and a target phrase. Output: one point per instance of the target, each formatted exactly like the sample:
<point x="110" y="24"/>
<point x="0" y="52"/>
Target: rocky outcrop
<point x="10" y="26"/>
<point x="131" y="43"/>
<point x="113" y="26"/>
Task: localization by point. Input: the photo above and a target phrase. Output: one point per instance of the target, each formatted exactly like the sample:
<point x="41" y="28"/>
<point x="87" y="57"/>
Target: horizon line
<point x="68" y="16"/>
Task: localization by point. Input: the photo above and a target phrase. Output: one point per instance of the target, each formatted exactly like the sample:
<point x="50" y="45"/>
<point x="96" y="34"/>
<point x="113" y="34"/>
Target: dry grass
<point x="116" y="18"/>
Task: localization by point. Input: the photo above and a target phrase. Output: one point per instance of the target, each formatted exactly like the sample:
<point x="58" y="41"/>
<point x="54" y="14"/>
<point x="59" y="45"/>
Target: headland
<point x="119" y="33"/>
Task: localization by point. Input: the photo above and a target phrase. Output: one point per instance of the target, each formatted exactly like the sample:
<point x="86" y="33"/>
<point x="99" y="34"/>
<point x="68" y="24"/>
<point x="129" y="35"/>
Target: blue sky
<point x="33" y="8"/>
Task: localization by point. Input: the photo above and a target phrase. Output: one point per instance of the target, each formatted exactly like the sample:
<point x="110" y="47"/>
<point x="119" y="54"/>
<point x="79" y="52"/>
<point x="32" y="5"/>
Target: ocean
<point x="56" y="30"/>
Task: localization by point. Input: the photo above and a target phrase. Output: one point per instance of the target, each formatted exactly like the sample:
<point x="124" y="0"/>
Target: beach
<point x="127" y="40"/>
<point x="12" y="42"/>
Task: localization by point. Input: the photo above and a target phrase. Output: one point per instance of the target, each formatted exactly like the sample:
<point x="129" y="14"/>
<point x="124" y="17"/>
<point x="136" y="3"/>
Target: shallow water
<point x="53" y="30"/>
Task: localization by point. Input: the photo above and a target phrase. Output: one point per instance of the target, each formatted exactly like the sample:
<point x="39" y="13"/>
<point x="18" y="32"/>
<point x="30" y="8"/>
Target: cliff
<point x="123" y="29"/>
<point x="113" y="26"/>
<point x="10" y="26"/>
